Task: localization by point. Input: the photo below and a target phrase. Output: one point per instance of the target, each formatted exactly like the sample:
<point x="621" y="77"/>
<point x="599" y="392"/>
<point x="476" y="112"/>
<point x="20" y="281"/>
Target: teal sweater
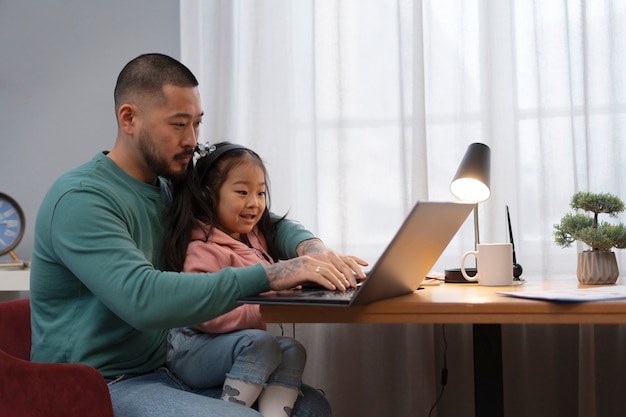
<point x="98" y="295"/>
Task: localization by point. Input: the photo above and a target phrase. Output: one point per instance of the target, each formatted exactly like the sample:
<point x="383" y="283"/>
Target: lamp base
<point x="455" y="276"/>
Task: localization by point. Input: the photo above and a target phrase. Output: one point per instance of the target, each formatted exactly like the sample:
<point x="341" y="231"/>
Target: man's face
<point x="169" y="131"/>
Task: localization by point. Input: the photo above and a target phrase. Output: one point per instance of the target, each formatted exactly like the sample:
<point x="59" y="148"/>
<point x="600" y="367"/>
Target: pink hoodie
<point x="220" y="251"/>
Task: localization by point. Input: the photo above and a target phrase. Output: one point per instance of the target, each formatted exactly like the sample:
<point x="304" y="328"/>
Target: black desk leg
<point x="488" y="394"/>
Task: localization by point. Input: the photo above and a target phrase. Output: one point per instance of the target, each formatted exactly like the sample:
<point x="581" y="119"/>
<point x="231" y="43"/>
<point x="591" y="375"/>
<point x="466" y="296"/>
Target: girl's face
<point x="241" y="199"/>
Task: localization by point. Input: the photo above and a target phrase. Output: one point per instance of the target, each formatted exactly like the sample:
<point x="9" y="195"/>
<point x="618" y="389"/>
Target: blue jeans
<point x="204" y="360"/>
<point x="161" y="394"/>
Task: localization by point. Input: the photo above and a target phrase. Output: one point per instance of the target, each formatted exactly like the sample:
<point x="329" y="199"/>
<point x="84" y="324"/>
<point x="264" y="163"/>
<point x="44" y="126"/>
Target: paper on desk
<point x="613" y="292"/>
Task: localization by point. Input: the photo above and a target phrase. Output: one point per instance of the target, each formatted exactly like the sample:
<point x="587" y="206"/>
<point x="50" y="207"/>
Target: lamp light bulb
<point x="469" y="189"/>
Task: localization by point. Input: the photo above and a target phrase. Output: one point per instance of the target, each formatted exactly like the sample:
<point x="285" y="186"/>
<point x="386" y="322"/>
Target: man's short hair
<point x="145" y="76"/>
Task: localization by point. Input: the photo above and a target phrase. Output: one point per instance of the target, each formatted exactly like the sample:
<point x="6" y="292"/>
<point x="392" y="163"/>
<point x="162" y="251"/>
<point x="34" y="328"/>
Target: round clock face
<point x="11" y="224"/>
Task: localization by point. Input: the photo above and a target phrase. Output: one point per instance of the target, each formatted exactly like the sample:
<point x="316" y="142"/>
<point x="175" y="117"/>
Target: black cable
<point x="293" y="329"/>
<point x="444" y="370"/>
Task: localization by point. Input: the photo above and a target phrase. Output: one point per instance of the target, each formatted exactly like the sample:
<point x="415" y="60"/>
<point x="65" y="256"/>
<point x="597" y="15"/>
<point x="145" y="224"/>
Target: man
<point x="98" y="294"/>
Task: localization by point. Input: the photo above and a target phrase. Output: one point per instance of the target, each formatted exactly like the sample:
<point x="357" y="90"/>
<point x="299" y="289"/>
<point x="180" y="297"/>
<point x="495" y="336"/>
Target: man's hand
<point x="348" y="266"/>
<point x="293" y="272"/>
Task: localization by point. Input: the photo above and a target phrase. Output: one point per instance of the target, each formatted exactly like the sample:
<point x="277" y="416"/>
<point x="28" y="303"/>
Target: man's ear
<point x="126" y="117"/>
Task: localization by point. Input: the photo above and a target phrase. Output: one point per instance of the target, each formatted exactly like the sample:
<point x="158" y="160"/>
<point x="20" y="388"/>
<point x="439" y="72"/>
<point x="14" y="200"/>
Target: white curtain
<point x="362" y="107"/>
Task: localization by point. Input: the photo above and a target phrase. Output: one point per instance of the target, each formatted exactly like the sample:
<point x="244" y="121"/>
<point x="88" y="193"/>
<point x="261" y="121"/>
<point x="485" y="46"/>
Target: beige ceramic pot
<point x="597" y="268"/>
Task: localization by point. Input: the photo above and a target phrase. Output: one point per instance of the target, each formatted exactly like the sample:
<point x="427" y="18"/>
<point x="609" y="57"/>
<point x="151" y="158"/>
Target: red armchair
<point x="30" y="389"/>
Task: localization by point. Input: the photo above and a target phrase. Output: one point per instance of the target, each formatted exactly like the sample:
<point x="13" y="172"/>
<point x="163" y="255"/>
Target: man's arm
<point x="350" y="266"/>
<point x="89" y="241"/>
<point x="290" y="234"/>
<point x="294" y="240"/>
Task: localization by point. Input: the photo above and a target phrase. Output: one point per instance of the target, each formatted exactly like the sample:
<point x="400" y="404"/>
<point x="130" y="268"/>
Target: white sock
<point x="240" y="392"/>
<point x="277" y="401"/>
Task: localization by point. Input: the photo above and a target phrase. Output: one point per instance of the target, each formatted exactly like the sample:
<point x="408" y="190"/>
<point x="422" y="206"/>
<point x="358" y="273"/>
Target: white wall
<point x="59" y="61"/>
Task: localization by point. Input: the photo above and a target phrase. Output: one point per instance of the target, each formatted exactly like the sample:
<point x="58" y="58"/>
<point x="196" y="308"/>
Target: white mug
<point x="494" y="262"/>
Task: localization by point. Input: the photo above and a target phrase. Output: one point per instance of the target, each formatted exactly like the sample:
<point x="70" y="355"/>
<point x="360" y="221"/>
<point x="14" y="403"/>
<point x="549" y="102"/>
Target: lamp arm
<point x="476" y="233"/>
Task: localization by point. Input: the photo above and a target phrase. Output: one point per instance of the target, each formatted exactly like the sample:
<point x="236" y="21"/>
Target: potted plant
<point x="596" y="265"/>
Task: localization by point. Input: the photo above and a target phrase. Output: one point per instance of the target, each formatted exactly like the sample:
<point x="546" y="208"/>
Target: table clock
<point x="12" y="223"/>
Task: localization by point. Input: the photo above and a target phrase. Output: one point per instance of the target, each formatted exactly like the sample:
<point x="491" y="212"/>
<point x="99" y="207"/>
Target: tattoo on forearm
<point x="281" y="271"/>
<point x="311" y="247"/>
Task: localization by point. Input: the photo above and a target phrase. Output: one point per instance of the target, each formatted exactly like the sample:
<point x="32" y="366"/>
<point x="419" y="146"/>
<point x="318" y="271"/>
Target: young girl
<point x="223" y="219"/>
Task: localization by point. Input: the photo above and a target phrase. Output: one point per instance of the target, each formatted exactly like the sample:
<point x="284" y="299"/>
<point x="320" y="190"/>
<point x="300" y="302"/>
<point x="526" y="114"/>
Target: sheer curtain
<point x="362" y="107"/>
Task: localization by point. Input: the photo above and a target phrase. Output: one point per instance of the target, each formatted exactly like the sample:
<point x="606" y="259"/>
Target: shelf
<point x="14" y="279"/>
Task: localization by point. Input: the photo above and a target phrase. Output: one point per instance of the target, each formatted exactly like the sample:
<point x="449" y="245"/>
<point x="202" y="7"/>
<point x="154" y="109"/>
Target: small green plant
<point x="585" y="228"/>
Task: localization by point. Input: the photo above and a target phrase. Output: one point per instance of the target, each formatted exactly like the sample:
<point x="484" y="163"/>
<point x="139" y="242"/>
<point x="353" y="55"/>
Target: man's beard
<point x="155" y="162"/>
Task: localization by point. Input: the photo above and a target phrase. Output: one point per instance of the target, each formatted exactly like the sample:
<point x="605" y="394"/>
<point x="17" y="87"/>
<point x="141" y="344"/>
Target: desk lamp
<point x="471" y="183"/>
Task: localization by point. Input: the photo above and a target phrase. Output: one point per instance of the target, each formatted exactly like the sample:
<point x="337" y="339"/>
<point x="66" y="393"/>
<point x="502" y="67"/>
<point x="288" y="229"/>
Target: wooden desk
<point x="460" y="303"/>
<point x="469" y="304"/>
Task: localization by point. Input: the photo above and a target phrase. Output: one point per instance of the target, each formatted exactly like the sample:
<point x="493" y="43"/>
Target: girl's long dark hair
<point x="192" y="202"/>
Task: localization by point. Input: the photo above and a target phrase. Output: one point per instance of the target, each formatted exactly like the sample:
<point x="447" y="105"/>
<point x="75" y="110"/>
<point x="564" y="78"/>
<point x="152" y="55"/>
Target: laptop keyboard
<point x="347" y="294"/>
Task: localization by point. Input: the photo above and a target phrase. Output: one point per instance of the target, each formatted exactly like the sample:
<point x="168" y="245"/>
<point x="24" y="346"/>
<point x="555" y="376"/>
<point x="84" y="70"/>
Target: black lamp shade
<point x="472" y="179"/>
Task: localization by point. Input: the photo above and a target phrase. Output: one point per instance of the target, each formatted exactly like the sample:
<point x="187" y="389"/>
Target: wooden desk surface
<point x="459" y="303"/>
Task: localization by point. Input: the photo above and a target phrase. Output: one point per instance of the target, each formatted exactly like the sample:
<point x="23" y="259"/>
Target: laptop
<point x="418" y="244"/>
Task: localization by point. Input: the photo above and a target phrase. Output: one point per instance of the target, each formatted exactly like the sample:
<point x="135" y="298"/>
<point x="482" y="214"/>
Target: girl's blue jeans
<point x="204" y="360"/>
